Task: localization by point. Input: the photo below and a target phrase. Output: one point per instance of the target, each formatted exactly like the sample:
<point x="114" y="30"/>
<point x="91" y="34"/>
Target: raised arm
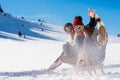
<point x="92" y="22"/>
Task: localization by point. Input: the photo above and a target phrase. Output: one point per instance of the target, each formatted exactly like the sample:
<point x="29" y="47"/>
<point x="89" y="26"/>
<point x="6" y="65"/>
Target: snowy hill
<point x="114" y="39"/>
<point x="25" y="58"/>
<point x="10" y="26"/>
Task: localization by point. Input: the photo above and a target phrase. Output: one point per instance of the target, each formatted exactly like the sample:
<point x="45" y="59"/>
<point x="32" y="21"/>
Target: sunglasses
<point x="78" y="28"/>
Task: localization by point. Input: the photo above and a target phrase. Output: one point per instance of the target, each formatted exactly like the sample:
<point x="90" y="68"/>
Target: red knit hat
<point x="77" y="21"/>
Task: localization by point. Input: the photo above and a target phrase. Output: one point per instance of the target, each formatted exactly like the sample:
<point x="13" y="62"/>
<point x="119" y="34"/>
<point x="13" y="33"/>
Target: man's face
<point x="70" y="30"/>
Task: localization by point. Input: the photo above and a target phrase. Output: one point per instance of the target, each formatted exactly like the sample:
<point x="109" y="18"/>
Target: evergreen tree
<point x="118" y="35"/>
<point x="39" y="20"/>
<point x="1" y="10"/>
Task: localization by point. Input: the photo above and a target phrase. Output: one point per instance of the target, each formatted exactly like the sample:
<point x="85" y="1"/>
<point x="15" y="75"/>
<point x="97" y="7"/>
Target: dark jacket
<point x="89" y="28"/>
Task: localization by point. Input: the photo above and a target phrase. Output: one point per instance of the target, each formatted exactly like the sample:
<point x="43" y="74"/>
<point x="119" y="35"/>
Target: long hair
<point x="103" y="36"/>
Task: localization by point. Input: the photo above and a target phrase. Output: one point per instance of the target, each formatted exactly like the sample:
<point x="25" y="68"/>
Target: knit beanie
<point x="77" y="21"/>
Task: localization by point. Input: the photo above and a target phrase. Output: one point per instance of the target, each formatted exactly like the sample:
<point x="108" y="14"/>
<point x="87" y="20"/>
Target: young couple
<point x="84" y="44"/>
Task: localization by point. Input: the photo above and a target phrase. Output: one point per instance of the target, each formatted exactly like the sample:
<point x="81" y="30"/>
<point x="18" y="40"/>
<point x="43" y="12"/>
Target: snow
<point x="26" y="58"/>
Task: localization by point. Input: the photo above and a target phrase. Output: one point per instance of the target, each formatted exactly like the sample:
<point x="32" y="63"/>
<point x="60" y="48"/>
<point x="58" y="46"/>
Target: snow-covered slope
<point x="25" y="58"/>
<point x="10" y="26"/>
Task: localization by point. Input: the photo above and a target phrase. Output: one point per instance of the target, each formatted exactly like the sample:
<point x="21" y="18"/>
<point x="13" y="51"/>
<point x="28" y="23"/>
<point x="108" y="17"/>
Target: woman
<point x="94" y="47"/>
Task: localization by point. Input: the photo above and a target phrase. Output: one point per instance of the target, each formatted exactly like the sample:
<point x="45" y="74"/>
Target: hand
<point x="91" y="13"/>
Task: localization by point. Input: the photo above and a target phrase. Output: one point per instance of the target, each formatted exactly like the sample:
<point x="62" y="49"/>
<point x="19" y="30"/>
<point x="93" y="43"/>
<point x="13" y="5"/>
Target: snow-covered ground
<point x="26" y="58"/>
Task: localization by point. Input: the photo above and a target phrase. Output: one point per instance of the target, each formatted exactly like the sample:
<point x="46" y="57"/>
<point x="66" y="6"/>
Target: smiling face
<point x="79" y="28"/>
<point x="70" y="30"/>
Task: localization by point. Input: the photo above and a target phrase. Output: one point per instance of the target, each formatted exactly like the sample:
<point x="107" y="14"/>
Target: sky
<point x="62" y="11"/>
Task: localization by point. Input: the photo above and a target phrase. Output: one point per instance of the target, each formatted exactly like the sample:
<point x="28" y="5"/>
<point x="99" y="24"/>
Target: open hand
<point x="91" y="13"/>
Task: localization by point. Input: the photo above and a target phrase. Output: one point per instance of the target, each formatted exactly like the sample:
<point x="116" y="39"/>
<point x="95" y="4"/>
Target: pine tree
<point x="1" y="10"/>
<point x="118" y="35"/>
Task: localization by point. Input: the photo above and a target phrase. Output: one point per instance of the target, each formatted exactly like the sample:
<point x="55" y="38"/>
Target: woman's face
<point x="79" y="28"/>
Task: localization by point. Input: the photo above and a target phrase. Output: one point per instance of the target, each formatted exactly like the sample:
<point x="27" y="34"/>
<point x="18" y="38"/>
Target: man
<point x="68" y="49"/>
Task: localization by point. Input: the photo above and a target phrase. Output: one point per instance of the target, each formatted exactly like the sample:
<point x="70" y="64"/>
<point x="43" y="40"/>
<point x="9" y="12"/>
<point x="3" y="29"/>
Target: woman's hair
<point x="67" y="25"/>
